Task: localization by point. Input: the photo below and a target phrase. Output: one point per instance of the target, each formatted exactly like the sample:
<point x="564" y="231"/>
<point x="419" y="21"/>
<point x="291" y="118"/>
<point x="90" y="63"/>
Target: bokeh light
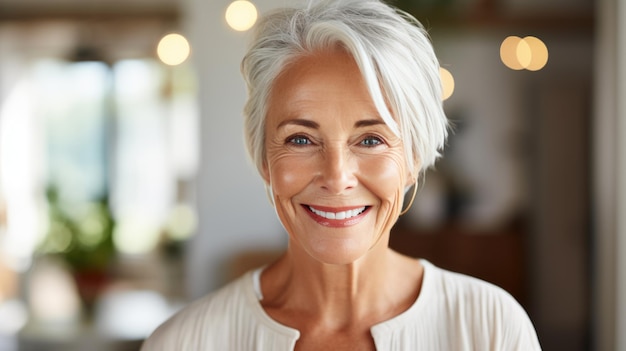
<point x="173" y="49"/>
<point x="508" y="53"/>
<point x="53" y="294"/>
<point x="447" y="80"/>
<point x="136" y="234"/>
<point x="523" y="53"/>
<point x="241" y="15"/>
<point x="182" y="222"/>
<point x="539" y="53"/>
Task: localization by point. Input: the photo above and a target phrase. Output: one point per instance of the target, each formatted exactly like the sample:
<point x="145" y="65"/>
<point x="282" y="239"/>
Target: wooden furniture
<point x="498" y="257"/>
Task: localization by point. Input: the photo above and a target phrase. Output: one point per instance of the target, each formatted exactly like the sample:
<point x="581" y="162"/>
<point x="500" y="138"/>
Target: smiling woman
<point x="344" y="113"/>
<point x="328" y="152"/>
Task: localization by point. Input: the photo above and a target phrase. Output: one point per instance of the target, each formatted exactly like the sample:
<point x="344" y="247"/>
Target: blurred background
<point x="125" y="191"/>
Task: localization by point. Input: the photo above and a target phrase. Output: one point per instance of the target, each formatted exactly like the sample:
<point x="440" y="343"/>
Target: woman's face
<point x="336" y="170"/>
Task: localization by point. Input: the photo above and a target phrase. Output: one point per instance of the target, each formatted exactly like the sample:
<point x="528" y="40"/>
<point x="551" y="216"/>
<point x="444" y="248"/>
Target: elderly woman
<point x="344" y="112"/>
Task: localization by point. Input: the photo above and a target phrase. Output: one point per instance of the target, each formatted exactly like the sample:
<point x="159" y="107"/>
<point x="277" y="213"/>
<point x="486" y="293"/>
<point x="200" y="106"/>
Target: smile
<point x="338" y="215"/>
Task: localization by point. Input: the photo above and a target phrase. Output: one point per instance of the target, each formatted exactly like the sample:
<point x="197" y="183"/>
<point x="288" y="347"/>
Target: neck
<point x="373" y="288"/>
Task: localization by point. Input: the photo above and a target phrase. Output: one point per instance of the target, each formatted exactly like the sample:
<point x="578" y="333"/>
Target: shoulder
<point x="203" y="321"/>
<point x="460" y="288"/>
<point x="484" y="310"/>
<point x="463" y="288"/>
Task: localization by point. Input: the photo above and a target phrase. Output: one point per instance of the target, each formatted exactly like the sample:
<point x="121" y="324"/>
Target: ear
<point x="412" y="175"/>
<point x="410" y="180"/>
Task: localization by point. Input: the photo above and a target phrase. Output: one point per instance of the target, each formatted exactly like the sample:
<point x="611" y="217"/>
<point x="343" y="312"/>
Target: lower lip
<point x="337" y="223"/>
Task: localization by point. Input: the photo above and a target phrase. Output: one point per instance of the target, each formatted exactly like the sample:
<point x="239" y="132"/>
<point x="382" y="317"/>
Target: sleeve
<point x="189" y="329"/>
<point x="517" y="331"/>
<point x="172" y="335"/>
<point x="157" y="343"/>
<point x="491" y="317"/>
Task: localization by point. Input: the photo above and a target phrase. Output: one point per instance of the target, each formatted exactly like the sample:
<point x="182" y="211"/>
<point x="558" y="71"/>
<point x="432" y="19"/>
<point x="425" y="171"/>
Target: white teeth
<point x="338" y="215"/>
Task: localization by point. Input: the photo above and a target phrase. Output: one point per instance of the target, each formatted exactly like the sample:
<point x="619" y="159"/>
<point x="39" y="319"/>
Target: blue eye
<point x="299" y="140"/>
<point x="371" y="141"/>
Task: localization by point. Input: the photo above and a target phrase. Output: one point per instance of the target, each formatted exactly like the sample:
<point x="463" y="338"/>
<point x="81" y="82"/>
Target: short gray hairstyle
<point x="391" y="48"/>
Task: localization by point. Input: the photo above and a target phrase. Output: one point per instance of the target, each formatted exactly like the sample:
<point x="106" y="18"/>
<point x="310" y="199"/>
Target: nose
<point x="337" y="170"/>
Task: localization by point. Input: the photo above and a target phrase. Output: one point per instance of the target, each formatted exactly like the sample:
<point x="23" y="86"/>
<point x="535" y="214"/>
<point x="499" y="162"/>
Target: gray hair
<point x="394" y="55"/>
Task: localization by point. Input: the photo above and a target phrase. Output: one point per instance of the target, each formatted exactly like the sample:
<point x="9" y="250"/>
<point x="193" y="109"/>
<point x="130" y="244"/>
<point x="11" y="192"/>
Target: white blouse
<point x="453" y="312"/>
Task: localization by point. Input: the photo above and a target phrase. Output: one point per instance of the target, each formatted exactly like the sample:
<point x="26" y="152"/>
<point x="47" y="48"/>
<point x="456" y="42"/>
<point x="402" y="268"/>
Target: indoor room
<point x="126" y="191"/>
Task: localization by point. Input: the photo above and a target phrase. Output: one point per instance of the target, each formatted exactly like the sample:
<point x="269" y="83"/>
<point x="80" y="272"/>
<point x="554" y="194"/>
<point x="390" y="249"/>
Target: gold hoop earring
<point x="412" y="199"/>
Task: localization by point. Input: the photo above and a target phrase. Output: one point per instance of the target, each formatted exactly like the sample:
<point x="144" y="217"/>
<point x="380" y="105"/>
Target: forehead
<point x="319" y="80"/>
<point x="334" y="62"/>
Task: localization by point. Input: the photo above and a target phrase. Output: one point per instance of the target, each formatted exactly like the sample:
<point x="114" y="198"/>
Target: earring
<point x="412" y="199"/>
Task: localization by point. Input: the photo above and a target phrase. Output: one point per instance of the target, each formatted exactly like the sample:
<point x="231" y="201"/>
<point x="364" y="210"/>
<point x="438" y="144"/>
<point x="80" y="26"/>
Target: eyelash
<point x="303" y="140"/>
<point x="378" y="141"/>
<point x="292" y="140"/>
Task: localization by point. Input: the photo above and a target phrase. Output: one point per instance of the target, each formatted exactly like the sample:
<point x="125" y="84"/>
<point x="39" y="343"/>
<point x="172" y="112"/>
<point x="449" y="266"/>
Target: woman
<point x="344" y="112"/>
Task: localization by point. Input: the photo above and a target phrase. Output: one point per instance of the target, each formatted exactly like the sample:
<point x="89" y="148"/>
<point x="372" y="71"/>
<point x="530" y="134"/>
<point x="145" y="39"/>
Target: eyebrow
<point x="368" y="122"/>
<point x="299" y="122"/>
<point x="314" y="125"/>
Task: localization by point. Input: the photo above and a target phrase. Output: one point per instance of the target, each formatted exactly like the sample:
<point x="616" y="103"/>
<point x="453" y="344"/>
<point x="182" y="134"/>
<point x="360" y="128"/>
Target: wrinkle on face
<point x="322" y="100"/>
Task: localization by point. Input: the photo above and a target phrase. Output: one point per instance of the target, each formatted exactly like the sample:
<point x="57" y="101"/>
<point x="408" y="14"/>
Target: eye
<point x="299" y="140"/>
<point x="371" y="141"/>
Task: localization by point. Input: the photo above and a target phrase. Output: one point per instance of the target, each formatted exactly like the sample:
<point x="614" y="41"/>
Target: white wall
<point x="235" y="214"/>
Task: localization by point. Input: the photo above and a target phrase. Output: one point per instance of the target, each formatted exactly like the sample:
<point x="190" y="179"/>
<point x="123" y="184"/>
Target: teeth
<point x="338" y="215"/>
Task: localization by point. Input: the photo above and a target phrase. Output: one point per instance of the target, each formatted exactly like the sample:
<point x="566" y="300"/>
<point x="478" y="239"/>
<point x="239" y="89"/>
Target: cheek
<point x="386" y="177"/>
<point x="288" y="176"/>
